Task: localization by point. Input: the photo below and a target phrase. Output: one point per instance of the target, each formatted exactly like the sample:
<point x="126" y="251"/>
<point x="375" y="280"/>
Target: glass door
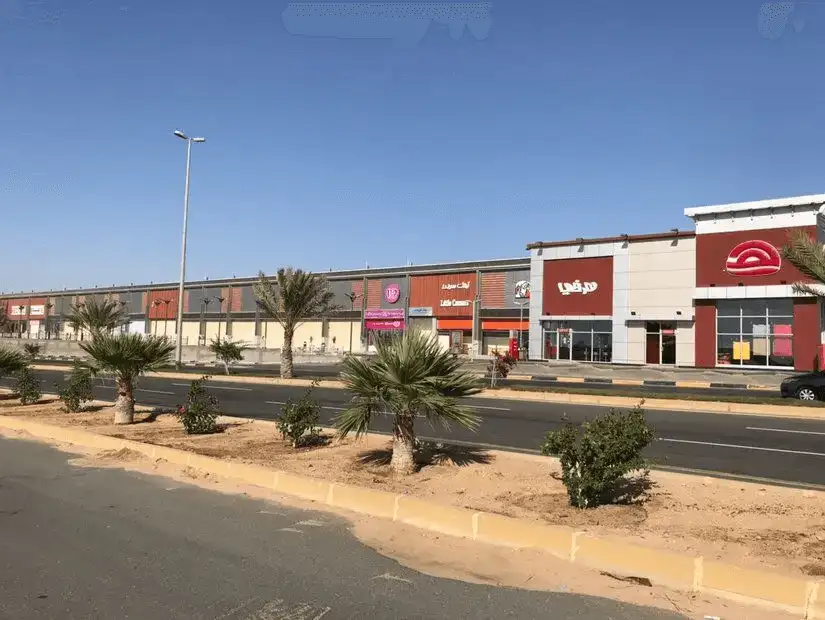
<point x="668" y="343"/>
<point x="653" y="343"/>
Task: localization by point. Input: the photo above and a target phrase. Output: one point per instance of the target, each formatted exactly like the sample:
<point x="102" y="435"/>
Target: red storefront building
<point x="747" y="314"/>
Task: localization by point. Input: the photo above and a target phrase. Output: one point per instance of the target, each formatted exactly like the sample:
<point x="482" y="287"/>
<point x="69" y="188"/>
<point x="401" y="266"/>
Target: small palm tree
<point x="808" y="255"/>
<point x="126" y="356"/>
<point x="227" y="351"/>
<point x="410" y="376"/>
<point x="294" y="297"/>
<point x="97" y="316"/>
<point x="32" y="350"/>
<point x="12" y="361"/>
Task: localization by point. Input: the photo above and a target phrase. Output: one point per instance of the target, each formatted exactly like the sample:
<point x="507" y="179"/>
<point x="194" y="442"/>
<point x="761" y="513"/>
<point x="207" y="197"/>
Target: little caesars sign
<point x="455" y="303"/>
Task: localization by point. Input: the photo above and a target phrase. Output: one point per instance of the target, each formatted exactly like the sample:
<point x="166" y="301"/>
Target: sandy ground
<point x="767" y="527"/>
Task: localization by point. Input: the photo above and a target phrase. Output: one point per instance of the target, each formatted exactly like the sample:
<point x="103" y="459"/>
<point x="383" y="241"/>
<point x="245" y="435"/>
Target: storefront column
<point x="621" y="312"/>
<point x="705" y="333"/>
<point x="534" y="339"/>
<point x="806" y="332"/>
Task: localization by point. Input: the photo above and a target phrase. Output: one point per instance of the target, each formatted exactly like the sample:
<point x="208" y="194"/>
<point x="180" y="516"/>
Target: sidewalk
<point x="645" y="375"/>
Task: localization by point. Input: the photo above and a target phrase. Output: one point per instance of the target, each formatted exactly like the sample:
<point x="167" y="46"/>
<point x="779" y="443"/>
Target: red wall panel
<point x="585" y="270"/>
<point x="430" y="291"/>
<point x="705" y="333"/>
<point x="163" y="311"/>
<point x="806" y="332"/>
<point x="712" y="253"/>
<point x="492" y="290"/>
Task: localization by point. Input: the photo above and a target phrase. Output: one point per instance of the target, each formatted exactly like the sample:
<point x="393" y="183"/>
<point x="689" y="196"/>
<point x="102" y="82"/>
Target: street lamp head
<point x="181" y="135"/>
<point x="198" y="139"/>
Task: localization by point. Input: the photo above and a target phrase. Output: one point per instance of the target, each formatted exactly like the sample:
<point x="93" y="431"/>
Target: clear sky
<point x="551" y="120"/>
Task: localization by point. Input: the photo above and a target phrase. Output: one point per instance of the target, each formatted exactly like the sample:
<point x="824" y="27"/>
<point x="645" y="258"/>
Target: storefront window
<point x="755" y="333"/>
<point x="584" y="341"/>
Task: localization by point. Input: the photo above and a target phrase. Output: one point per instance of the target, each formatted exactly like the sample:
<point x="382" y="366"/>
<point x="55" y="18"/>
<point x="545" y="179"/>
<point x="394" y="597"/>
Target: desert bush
<point x="200" y="413"/>
<point x="501" y="365"/>
<point x="28" y="386"/>
<point x="299" y="419"/>
<point x="32" y="350"/>
<point x="595" y="457"/>
<point x="76" y="391"/>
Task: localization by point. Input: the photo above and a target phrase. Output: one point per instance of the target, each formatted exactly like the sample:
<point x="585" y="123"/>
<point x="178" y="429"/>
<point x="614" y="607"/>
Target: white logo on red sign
<point x="753" y="258"/>
<point x="392" y="293"/>
<point x="566" y="288"/>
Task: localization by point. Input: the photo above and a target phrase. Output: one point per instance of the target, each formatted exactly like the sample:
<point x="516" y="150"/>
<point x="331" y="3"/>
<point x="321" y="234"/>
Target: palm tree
<point x="410" y="376"/>
<point x="96" y="316"/>
<point x="808" y="255"/>
<point x="11" y="361"/>
<point x="126" y="356"/>
<point x="295" y="296"/>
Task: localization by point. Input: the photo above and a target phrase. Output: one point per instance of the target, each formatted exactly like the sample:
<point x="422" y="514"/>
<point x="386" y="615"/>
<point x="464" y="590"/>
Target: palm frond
<point x="294" y="296"/>
<point x="97" y="315"/>
<point x="11" y="361"/>
<point x="806" y="254"/>
<point x="128" y="355"/>
<point x="409" y="375"/>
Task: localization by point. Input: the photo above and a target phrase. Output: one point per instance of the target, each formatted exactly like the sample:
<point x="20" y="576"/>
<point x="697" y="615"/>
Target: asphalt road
<point x="783" y="450"/>
<point x="333" y="370"/>
<point x="102" y="543"/>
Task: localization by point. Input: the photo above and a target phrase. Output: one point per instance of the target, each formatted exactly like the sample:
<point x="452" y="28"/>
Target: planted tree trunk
<point x="403" y="445"/>
<point x="125" y="403"/>
<point x="286" y="355"/>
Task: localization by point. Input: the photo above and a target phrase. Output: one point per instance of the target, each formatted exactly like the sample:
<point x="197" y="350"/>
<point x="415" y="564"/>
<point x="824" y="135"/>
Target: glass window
<point x="605" y="327"/>
<point x="582" y="345"/>
<point x="653" y="328"/>
<point x="602" y="347"/>
<point x="763" y="336"/>
<point x="728" y="326"/>
<point x="753" y="307"/>
<point x="727" y="308"/>
<point x="780" y="307"/>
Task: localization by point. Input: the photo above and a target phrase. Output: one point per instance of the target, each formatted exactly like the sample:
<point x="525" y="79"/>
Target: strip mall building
<point x="716" y="296"/>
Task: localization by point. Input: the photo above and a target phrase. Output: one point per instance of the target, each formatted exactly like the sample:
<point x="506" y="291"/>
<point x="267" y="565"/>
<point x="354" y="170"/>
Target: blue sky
<point x="567" y="119"/>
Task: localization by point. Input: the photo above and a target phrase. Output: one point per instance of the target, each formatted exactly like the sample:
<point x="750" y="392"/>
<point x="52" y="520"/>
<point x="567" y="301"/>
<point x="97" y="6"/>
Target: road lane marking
<point x="212" y="386"/>
<point x="782" y="430"/>
<point x="731" y="445"/>
<point x="492" y="408"/>
<point x="280" y="402"/>
<point x="114" y="387"/>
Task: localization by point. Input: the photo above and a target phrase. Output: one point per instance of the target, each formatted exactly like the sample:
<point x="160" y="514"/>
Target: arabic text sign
<point x="384" y="314"/>
<point x="577" y="287"/>
<point x="384" y="325"/>
<point x="450" y="286"/>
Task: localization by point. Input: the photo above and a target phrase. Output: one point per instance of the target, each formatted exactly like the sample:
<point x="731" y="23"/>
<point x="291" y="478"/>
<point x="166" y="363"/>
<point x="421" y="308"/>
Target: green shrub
<point x="228" y="352"/>
<point x="31" y="349"/>
<point x="199" y="415"/>
<point x="501" y="365"/>
<point x="299" y="419"/>
<point x="28" y="386"/>
<point x="76" y="391"/>
<point x="594" y="458"/>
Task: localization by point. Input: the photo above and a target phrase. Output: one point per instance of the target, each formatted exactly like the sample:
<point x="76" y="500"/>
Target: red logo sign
<point x="753" y="258"/>
<point x="392" y="293"/>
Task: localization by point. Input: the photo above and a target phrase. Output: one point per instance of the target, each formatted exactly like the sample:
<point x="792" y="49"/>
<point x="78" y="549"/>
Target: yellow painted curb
<point x="797" y="595"/>
<point x="693" y="384"/>
<point x="569" y="379"/>
<point x="634" y="382"/>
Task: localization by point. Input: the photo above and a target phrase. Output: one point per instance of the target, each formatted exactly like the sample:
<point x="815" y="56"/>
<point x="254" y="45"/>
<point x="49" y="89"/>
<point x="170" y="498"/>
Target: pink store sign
<point x="384" y="325"/>
<point x="384" y="314"/>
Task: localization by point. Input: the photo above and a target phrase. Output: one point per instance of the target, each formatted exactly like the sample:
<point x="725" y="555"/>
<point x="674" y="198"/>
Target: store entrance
<point x="660" y="344"/>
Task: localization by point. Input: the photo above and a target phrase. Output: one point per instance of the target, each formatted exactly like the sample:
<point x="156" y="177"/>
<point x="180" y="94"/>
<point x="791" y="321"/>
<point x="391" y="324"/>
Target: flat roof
<point x="773" y="203"/>
<point x="671" y="234"/>
<point x="493" y="264"/>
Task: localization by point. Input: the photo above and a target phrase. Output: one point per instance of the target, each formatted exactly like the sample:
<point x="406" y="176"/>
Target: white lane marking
<point x="156" y="392"/>
<point x="290" y="529"/>
<point x="782" y="430"/>
<point x="280" y="402"/>
<point x="731" y="445"/>
<point x="492" y="408"/>
<point x="391" y="577"/>
<point x="312" y="523"/>
<point x="218" y="387"/>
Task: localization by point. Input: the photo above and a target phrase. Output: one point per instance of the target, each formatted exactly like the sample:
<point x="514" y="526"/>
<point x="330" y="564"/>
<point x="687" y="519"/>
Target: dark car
<point x="810" y="386"/>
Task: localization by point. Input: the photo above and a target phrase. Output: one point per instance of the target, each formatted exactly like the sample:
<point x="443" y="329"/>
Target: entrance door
<point x="564" y="344"/>
<point x="660" y="343"/>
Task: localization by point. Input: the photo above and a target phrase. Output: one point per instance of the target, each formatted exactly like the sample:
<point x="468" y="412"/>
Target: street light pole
<point x="352" y="297"/>
<point x="179" y="321"/>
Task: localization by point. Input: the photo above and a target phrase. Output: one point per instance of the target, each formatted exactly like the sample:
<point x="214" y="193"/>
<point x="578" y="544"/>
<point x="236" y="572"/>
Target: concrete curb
<point x="698" y="406"/>
<point x="693" y="574"/>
